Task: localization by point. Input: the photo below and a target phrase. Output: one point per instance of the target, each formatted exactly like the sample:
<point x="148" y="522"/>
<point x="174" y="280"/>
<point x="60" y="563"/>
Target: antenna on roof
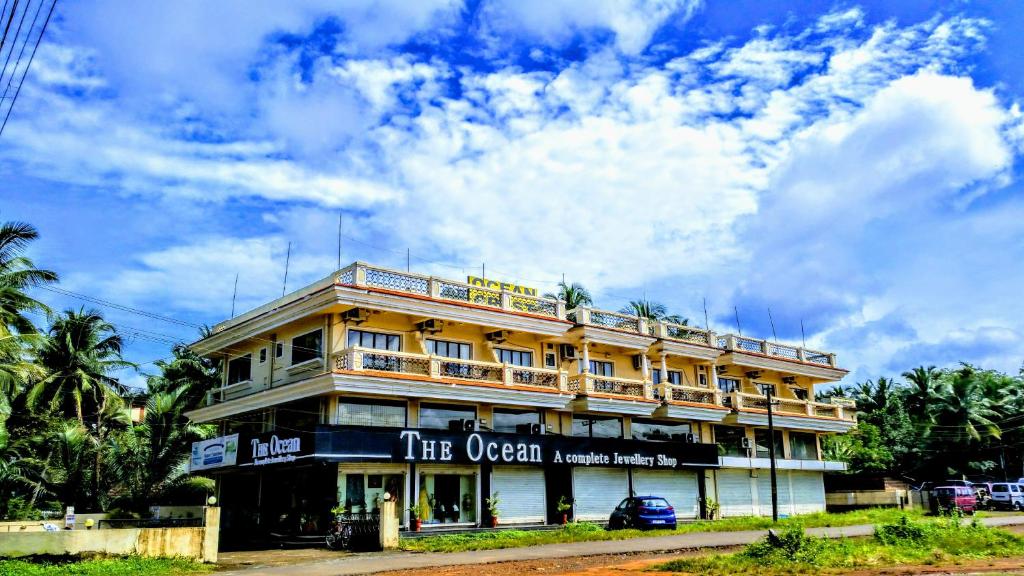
<point x="339" y="241"/>
<point x="707" y="326"/>
<point x="407" y="258"/>
<point x="234" y="295"/>
<point x="287" y="260"/>
<point x="803" y="337"/>
<point x="774" y="335"/>
<point x="483" y="270"/>
<point x="737" y="312"/>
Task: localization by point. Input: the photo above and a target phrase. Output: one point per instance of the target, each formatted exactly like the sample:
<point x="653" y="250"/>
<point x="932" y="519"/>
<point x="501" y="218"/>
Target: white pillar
<point x="585" y="364"/>
<point x="664" y="367"/>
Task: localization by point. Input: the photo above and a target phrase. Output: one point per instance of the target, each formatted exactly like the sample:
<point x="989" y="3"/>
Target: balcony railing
<point x="696" y="395"/>
<point x="363" y="275"/>
<point x="789" y="406"/>
<point x="439" y="367"/>
<point x="744" y="344"/>
<point x="586" y="383"/>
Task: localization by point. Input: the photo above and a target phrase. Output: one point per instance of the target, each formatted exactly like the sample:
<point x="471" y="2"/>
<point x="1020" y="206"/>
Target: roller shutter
<point x="677" y="486"/>
<point x="597" y="491"/>
<point x="734" y="494"/>
<point x="521" y="493"/>
<point x="808" y="492"/>
<point x="764" y="492"/>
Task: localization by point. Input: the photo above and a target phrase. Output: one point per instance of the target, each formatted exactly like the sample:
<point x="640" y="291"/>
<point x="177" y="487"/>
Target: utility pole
<point x="771" y="455"/>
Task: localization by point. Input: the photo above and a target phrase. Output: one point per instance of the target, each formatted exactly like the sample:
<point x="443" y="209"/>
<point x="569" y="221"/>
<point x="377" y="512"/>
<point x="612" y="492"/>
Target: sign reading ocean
<point x="214" y="453"/>
<point x="522" y="298"/>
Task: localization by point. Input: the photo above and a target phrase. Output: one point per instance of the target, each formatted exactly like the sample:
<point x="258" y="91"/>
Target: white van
<point x="1008" y="495"/>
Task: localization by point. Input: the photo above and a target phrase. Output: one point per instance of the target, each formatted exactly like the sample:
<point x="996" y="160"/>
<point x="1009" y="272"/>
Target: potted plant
<point x="564" y="506"/>
<point x="414" y="518"/>
<point x="492" y="508"/>
<point x="711" y="508"/>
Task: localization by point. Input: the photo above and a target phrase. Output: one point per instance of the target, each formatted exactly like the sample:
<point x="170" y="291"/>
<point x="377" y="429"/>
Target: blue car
<point x="643" y="512"/>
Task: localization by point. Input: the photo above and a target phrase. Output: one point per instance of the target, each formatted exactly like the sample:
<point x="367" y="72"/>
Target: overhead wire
<point x="21" y="82"/>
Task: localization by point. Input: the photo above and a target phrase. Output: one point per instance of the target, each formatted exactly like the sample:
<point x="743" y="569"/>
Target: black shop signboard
<point x="362" y="444"/>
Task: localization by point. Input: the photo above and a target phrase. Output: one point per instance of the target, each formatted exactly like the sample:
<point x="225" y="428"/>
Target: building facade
<point x="442" y="394"/>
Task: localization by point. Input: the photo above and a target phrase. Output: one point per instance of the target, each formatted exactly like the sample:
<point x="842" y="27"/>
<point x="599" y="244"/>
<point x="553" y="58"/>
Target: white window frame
<point x="230" y="360"/>
<point x="401" y="344"/>
<point x="469" y="343"/>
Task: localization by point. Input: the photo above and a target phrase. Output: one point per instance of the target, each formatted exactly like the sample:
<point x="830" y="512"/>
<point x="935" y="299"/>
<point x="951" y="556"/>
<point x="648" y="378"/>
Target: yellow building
<point x="442" y="393"/>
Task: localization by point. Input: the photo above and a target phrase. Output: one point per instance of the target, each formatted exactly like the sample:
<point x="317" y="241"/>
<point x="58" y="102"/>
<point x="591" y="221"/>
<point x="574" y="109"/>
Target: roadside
<point x="555" y="554"/>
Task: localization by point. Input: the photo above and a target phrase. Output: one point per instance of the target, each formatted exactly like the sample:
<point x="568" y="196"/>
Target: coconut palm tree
<point x="574" y="295"/>
<point x="964" y="410"/>
<point x="921" y="396"/>
<point x="68" y="469"/>
<point x="17" y="274"/>
<point x="654" y="311"/>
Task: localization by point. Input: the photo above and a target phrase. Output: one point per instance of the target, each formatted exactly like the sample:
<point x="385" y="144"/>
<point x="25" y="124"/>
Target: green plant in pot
<point x="414" y="518"/>
<point x="492" y="508"/>
<point x="564" y="506"/>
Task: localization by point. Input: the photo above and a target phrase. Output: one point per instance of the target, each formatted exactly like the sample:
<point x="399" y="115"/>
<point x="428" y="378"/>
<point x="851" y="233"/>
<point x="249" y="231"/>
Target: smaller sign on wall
<point x="278" y="447"/>
<point x="214" y="453"/>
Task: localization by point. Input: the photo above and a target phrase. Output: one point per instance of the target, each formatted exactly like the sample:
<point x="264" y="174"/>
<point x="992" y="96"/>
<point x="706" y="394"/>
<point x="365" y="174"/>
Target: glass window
<point x="1000" y="487"/>
<point x="447" y="498"/>
<point x="764" y="388"/>
<point x="800" y="393"/>
<point x="597" y="426"/>
<point x="307" y="347"/>
<point x="803" y="446"/>
<point x="602" y="368"/>
<point x="358" y="412"/>
<point x="439" y="415"/>
<point x="507" y="419"/>
<point x="727" y="385"/>
<point x="674" y="377"/>
<point x="515" y="357"/>
<point x="729" y="440"/>
<point x="263" y="355"/>
<point x="240" y="369"/>
<point x="374" y="340"/>
<point x="447" y="349"/>
<point x="278" y="349"/>
<point x="654" y="430"/>
<point x="761" y="442"/>
<point x="299" y="415"/>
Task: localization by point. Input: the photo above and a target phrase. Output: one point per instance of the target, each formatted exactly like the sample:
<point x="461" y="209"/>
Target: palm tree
<point x="653" y="311"/>
<point x="188" y="372"/>
<point x="574" y="295"/>
<point x="18" y="273"/>
<point x="923" y="390"/>
<point x="78" y="354"/>
<point x="964" y="409"/>
<point x="68" y="468"/>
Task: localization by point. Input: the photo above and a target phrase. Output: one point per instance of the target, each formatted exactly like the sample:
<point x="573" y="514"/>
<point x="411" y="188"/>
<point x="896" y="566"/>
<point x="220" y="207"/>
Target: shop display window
<point x="447" y="498"/>
<point x="362" y="492"/>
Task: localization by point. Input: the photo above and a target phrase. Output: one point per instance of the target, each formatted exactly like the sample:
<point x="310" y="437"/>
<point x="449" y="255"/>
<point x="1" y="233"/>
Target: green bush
<point x="101" y="566"/>
<point x="793" y="545"/>
<point x="902" y="531"/>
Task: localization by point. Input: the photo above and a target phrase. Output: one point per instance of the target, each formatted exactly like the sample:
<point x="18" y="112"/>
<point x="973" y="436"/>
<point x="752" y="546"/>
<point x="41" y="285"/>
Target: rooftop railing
<point x="790" y="406"/>
<point x="736" y="343"/>
<point x="364" y="275"/>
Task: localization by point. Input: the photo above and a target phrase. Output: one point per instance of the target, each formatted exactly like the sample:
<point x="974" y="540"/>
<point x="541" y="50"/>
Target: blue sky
<point x="850" y="165"/>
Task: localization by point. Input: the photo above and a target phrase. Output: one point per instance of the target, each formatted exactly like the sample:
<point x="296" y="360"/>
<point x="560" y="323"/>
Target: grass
<point x="106" y="566"/>
<point x="900" y="543"/>
<point x="586" y="531"/>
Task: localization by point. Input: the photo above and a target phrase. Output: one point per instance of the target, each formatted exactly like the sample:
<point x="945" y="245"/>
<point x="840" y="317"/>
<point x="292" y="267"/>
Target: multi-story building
<point x="442" y="393"/>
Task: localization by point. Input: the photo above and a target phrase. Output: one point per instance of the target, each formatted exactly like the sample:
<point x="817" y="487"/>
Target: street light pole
<point x="771" y="454"/>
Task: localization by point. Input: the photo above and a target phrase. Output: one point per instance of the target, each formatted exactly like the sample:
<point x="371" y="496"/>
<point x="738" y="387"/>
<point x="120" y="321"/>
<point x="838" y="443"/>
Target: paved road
<point x="388" y="561"/>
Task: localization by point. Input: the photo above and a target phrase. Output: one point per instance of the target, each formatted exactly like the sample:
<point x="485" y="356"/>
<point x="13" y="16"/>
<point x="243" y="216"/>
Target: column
<point x="585" y="363"/>
<point x="664" y="367"/>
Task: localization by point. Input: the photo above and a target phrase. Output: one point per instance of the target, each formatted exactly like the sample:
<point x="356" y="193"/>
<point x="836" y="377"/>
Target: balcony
<point x="365" y="276"/>
<point x="449" y="370"/>
<point x="690" y="402"/>
<point x="743" y="344"/>
<point x="752" y="409"/>
<point x="609" y="394"/>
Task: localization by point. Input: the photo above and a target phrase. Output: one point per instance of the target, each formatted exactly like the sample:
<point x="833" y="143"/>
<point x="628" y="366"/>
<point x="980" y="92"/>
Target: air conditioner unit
<point x="357" y="315"/>
<point x="745" y="443"/>
<point x="534" y="429"/>
<point x="431" y="325"/>
<point x="470" y="425"/>
<point x="638" y="362"/>
<point x="567" y="351"/>
<point x="691" y="438"/>
<point x="498" y="336"/>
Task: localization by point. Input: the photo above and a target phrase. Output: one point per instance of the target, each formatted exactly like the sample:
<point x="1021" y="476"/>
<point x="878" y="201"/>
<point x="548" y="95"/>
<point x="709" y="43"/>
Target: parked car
<point x="948" y="498"/>
<point x="643" y="512"/>
<point x="1008" y="495"/>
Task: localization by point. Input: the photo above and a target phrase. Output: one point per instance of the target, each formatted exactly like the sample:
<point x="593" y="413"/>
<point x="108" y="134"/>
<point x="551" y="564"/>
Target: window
<point x="550" y="360"/>
<point x="507" y="419"/>
<point x="702" y="380"/>
<point x="449" y="498"/>
<point x="307" y="347"/>
<point x="263" y="355"/>
<point x="240" y="369"/>
<point x="764" y="388"/>
<point x="727" y="385"/>
<point x="374" y="340"/>
<point x="730" y="439"/>
<point x="674" y="377"/>
<point x="800" y="393"/>
<point x="597" y="426"/>
<point x="358" y="412"/>
<point x="278" y="349"/>
<point x="459" y="350"/>
<point x="761" y="443"/>
<point x="803" y="446"/>
<point x="654" y="430"/>
<point x="515" y="357"/>
<point x="298" y="415"/>
<point x="439" y="415"/>
<point x="602" y="368"/>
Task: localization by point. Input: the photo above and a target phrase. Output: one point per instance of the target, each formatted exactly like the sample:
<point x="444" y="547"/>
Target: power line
<point x="27" y="66"/>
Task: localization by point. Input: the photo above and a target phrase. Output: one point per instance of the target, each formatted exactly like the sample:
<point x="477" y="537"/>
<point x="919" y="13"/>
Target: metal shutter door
<point x="734" y="495"/>
<point x="677" y="486"/>
<point x="808" y="492"/>
<point x="764" y="492"/>
<point x="597" y="491"/>
<point x="522" y="494"/>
